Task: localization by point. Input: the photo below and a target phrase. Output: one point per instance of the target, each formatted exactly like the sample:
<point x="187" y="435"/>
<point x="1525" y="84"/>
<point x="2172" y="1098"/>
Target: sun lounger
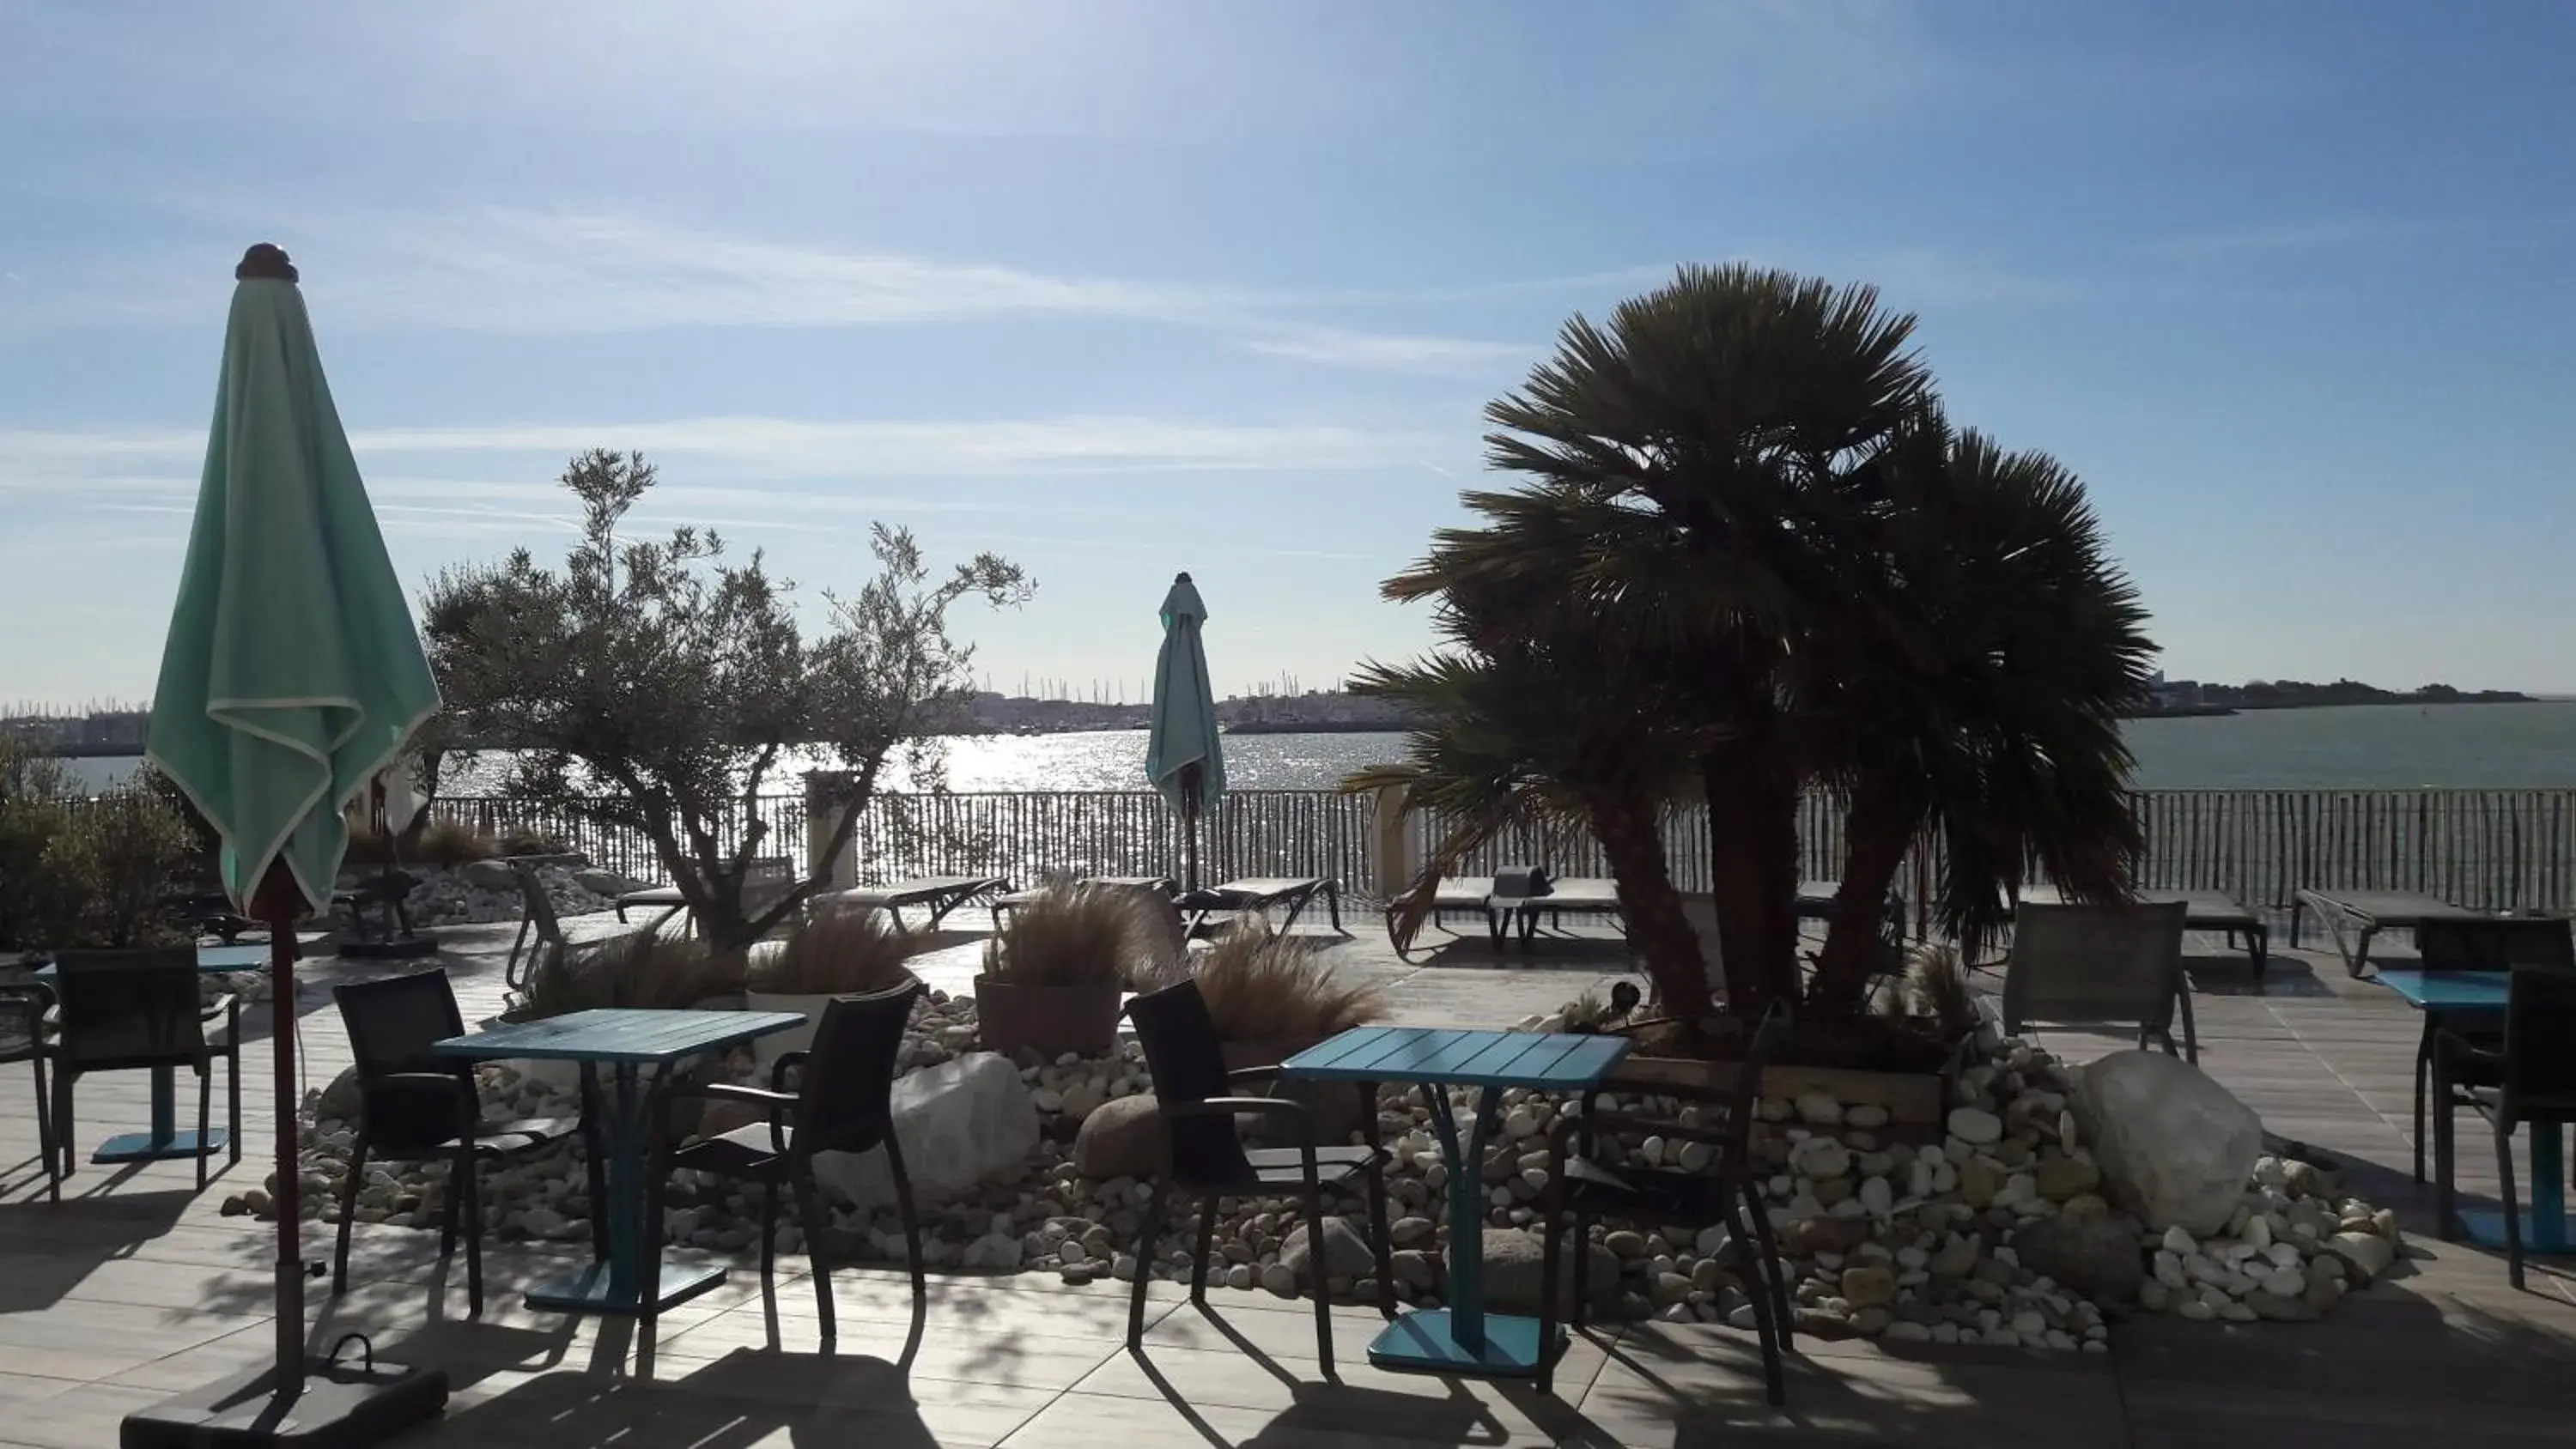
<point x="1570" y="896"/>
<point x="1011" y="901"/>
<point x="1464" y="895"/>
<point x="664" y="898"/>
<point x="1262" y="894"/>
<point x="2352" y="918"/>
<point x="2202" y="911"/>
<point x="769" y="878"/>
<point x="940" y="894"/>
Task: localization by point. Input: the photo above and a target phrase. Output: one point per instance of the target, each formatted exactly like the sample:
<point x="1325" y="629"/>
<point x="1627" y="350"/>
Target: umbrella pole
<point x="1190" y="823"/>
<point x="281" y="903"/>
<point x="1190" y="777"/>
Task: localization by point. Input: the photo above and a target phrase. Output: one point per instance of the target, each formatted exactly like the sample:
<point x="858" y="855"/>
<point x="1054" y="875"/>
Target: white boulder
<point x="2175" y="1146"/>
<point x="959" y="1122"/>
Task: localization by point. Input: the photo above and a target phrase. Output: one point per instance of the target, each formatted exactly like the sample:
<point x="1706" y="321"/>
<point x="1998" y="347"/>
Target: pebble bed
<point x="483" y="892"/>
<point x="1998" y="1232"/>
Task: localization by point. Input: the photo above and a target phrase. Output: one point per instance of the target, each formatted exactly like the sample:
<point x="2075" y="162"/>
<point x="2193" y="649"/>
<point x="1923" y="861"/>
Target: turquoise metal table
<point x="166" y="1139"/>
<point x="2467" y="996"/>
<point x="1463" y="1337"/>
<point x="626" y="1041"/>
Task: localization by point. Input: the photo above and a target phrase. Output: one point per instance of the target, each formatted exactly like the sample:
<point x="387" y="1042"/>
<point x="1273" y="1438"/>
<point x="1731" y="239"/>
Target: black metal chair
<point x="2533" y="1080"/>
<point x="2489" y="945"/>
<point x="537" y="914"/>
<point x="137" y="1010"/>
<point x="844" y="1102"/>
<point x="417" y="1107"/>
<point x="1583" y="1189"/>
<point x="24" y="1037"/>
<point x="1205" y="1155"/>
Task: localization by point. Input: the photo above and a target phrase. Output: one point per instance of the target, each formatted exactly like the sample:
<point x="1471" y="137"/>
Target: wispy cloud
<point x="518" y="272"/>
<point x="1341" y="347"/>
<point x="554" y="273"/>
<point x="756" y="449"/>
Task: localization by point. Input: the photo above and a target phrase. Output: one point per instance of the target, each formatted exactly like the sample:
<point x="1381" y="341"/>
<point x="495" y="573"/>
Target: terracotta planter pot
<point x="1050" y="1020"/>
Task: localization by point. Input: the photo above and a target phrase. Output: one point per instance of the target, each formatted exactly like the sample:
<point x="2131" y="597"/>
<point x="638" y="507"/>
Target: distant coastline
<point x="1314" y="727"/>
<point x="2189" y="698"/>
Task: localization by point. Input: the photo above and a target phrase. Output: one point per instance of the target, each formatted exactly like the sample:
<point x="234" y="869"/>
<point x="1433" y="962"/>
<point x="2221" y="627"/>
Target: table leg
<point x="625" y="1185"/>
<point x="165" y="1140"/>
<point x="2546" y="1231"/>
<point x="632" y="1270"/>
<point x="1463" y="1337"/>
<point x="2548" y="1188"/>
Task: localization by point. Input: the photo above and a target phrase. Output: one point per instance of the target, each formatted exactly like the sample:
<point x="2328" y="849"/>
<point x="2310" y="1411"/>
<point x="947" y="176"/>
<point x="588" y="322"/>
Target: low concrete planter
<point x="1914" y="1100"/>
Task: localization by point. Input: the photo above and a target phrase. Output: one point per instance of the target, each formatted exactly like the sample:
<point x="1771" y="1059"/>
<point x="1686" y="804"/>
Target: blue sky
<point x="1121" y="288"/>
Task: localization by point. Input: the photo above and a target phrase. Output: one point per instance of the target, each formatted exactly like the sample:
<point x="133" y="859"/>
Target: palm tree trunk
<point x="1878" y="827"/>
<point x="1753" y="872"/>
<point x="1657" y="929"/>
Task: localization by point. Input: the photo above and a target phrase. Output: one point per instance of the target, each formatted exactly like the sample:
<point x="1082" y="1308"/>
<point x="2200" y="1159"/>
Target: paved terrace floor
<point x="135" y="1286"/>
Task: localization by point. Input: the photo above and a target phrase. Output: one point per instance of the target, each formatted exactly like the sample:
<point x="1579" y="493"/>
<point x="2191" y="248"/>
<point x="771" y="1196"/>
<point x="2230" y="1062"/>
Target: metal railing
<point x="2481" y="848"/>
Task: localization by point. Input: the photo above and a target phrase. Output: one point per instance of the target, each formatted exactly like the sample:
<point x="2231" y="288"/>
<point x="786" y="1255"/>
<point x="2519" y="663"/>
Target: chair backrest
<point x="2095" y="963"/>
<point x="539" y="906"/>
<point x="129" y="1008"/>
<point x="2495" y="945"/>
<point x="1744" y="1097"/>
<point x="22" y="1018"/>
<point x="2540" y="1044"/>
<point x="391" y="1024"/>
<point x="1187" y="1063"/>
<point x="846" y="1094"/>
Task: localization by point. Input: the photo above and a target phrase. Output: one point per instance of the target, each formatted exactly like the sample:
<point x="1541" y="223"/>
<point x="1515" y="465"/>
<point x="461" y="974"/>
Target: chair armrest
<point x="775" y="1102"/>
<point x="1279" y="1107"/>
<point x="778" y="1069"/>
<point x="457" y="1088"/>
<point x="2450" y="1046"/>
<point x="450" y="1081"/>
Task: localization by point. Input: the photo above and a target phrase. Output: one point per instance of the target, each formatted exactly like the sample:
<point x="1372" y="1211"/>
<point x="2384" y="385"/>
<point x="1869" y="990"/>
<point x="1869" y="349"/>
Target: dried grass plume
<point x="1263" y="986"/>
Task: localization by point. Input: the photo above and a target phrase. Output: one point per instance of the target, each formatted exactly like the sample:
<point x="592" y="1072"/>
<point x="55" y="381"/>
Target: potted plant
<point x="832" y="953"/>
<point x="1053" y="975"/>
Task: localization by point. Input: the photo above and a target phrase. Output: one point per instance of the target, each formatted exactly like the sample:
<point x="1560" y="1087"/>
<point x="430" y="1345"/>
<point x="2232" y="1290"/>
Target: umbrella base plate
<point x="340" y="1405"/>
<point x="589" y="1291"/>
<point x="144" y="1147"/>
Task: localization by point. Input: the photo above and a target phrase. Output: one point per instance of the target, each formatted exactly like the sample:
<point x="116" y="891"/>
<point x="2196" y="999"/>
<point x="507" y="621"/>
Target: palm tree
<point x="1692" y="489"/>
<point x="1977" y="693"/>
<point x="1545" y="726"/>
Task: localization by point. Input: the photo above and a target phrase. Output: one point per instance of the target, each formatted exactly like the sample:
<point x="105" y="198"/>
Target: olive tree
<point x="657" y="685"/>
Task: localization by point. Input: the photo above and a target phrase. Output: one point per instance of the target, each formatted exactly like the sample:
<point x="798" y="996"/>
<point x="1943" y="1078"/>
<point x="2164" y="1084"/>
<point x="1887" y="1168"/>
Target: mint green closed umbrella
<point x="291" y="676"/>
<point x="1184" y="755"/>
